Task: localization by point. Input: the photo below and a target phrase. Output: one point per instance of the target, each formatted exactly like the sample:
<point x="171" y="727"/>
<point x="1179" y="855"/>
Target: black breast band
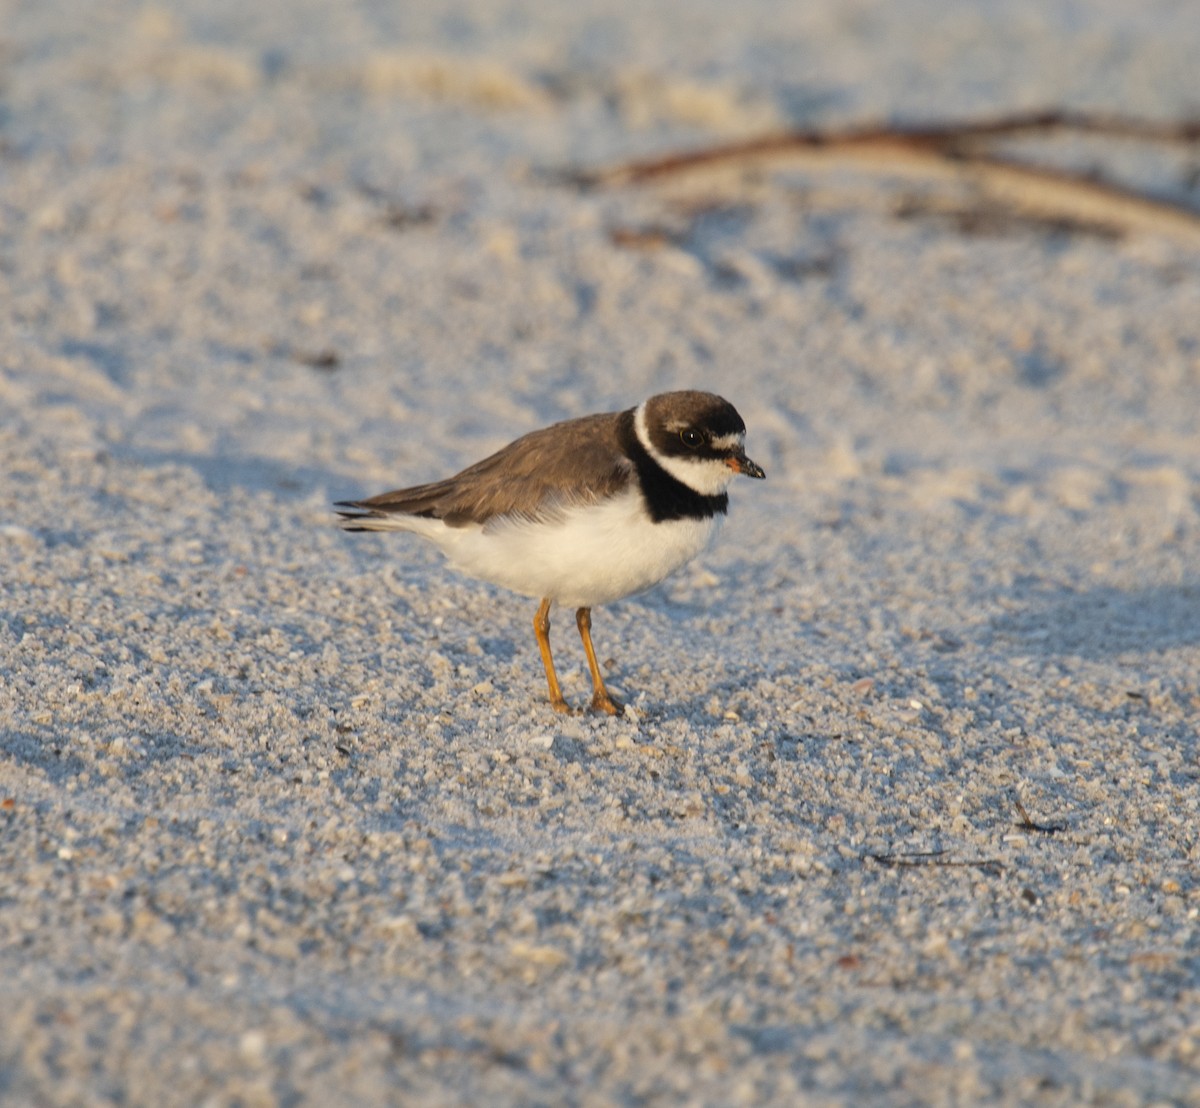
<point x="666" y="497"/>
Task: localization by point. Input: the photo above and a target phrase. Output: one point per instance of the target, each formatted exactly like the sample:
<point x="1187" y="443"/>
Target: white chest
<point x="585" y="556"/>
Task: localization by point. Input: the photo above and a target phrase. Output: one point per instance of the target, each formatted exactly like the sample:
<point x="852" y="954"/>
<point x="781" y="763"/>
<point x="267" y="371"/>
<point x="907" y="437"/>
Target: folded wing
<point x="575" y="462"/>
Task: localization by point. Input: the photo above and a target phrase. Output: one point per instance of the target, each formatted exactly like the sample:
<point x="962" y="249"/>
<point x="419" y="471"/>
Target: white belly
<point x="585" y="557"/>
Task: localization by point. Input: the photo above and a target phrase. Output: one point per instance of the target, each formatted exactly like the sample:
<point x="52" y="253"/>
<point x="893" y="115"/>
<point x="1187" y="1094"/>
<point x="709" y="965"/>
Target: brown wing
<point x="578" y="461"/>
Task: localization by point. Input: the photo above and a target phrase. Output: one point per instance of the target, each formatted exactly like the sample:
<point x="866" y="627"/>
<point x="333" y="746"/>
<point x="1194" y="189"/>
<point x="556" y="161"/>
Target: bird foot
<point x="602" y="702"/>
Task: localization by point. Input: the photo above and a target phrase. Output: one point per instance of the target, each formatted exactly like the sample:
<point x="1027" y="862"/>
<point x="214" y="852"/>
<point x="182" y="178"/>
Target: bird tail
<point x="358" y="515"/>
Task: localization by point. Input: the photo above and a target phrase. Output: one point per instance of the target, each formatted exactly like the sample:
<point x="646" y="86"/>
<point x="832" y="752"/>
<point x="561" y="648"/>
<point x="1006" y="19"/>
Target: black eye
<point x="691" y="439"/>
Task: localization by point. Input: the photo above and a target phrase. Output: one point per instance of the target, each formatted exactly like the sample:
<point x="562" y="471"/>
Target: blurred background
<point x="277" y="820"/>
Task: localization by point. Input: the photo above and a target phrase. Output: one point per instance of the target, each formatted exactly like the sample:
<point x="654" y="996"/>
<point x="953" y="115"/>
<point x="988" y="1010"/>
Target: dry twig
<point x="936" y="858"/>
<point x="959" y="149"/>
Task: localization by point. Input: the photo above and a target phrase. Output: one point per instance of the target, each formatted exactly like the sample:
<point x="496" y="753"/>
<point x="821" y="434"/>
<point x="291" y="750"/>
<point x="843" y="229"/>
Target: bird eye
<point x="691" y="438"/>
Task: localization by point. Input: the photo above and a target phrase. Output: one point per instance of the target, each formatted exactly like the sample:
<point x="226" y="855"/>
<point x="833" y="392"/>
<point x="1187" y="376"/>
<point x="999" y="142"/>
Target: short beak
<point x="739" y="463"/>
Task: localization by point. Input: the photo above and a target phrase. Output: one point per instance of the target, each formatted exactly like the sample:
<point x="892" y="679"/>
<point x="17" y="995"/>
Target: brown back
<point x="574" y="462"/>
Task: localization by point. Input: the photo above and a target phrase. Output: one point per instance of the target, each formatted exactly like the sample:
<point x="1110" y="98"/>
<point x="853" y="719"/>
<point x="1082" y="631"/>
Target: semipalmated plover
<point x="583" y="512"/>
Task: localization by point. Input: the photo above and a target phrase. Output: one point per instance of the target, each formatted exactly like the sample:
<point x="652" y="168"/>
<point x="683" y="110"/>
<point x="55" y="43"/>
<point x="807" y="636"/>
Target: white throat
<point x="706" y="476"/>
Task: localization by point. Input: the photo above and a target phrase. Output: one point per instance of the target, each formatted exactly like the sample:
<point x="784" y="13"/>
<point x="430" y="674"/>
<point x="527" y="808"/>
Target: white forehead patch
<point x="728" y="442"/>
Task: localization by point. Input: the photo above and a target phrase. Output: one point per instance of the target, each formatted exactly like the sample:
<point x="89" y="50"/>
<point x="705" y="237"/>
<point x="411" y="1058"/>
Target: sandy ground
<point x="907" y="807"/>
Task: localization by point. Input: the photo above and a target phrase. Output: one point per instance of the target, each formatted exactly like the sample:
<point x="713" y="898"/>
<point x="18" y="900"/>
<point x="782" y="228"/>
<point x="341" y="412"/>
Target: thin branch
<point x="959" y="149"/>
<point x="948" y="140"/>
<point x="937" y="858"/>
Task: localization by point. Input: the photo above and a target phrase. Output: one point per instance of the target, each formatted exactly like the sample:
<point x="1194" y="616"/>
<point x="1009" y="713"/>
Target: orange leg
<point x="601" y="701"/>
<point x="541" y="628"/>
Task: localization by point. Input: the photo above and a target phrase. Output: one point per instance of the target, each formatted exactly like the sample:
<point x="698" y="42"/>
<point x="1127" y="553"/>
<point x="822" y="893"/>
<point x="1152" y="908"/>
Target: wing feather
<point x="577" y="461"/>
